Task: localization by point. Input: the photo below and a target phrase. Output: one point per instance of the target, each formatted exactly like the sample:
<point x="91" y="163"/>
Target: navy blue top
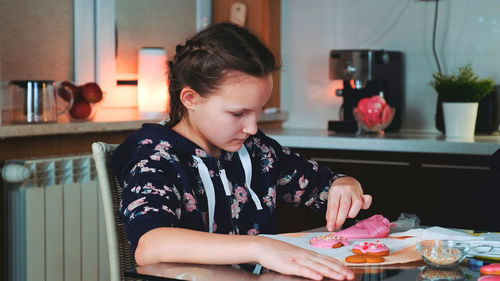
<point x="162" y="186"/>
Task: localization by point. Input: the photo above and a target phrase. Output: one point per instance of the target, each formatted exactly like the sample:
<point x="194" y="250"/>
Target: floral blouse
<point x="162" y="186"/>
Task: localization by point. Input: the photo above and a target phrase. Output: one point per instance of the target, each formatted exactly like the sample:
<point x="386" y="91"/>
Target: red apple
<point x="80" y="110"/>
<point x="91" y="92"/>
<point x="66" y="89"/>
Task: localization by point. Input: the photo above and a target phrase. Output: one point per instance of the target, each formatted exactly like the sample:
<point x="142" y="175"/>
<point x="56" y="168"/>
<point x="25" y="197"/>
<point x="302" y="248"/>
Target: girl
<point x="191" y="185"/>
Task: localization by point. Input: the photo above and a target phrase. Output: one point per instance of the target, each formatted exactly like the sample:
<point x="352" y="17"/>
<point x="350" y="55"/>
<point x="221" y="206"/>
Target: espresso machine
<point x="366" y="73"/>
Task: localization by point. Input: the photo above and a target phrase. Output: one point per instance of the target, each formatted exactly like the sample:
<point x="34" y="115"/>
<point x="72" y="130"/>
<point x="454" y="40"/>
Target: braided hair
<point x="203" y="61"/>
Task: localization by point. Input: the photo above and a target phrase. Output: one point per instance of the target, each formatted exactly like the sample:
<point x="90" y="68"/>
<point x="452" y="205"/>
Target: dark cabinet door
<point x="383" y="179"/>
<point x="453" y="195"/>
<point x="441" y="189"/>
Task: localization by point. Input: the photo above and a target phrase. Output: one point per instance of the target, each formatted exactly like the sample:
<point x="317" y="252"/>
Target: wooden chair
<point x="121" y="257"/>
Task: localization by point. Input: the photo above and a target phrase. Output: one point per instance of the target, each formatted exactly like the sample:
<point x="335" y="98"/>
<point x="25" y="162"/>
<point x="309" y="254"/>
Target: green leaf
<point x="464" y="86"/>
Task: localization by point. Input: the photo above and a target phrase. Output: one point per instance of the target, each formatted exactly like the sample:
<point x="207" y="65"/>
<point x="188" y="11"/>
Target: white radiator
<point x="55" y="221"/>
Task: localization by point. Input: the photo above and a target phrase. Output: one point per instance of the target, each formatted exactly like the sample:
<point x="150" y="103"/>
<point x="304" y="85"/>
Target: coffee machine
<point x="366" y="73"/>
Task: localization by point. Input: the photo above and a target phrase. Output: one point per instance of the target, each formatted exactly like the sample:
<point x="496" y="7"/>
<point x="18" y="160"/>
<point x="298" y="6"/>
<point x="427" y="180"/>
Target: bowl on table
<point x="442" y="253"/>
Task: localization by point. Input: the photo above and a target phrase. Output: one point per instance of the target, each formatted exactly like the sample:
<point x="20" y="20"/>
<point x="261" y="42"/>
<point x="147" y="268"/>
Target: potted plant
<point x="460" y="93"/>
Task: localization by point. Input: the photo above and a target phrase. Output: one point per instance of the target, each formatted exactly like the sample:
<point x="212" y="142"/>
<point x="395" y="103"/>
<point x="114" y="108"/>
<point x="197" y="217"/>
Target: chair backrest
<point x="120" y="252"/>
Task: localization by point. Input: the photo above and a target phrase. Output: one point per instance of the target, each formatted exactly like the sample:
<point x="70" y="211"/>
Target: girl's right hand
<point x="286" y="258"/>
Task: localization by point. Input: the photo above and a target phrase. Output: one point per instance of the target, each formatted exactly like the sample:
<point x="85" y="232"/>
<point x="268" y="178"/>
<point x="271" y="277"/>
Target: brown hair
<point x="208" y="56"/>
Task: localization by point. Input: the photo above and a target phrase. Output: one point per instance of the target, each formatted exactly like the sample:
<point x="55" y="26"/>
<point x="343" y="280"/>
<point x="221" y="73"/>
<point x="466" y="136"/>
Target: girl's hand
<point x="345" y="199"/>
<point x="292" y="260"/>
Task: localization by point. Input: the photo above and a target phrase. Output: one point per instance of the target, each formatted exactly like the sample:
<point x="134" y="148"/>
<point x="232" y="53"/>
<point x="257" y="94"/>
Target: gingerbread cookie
<point x="364" y="259"/>
<point x="370" y="248"/>
<point x="328" y="241"/>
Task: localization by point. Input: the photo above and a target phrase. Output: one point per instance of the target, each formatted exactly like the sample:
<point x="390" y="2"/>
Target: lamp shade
<point x="152" y="90"/>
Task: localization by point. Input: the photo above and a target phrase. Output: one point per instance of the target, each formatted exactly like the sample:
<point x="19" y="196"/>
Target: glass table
<point x="403" y="272"/>
<point x="468" y="270"/>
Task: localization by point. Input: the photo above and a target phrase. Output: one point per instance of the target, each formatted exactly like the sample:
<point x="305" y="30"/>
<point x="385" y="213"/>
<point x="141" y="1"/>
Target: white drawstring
<point x="247" y="166"/>
<point x="225" y="182"/>
<point x="209" y="186"/>
<point x="209" y="190"/>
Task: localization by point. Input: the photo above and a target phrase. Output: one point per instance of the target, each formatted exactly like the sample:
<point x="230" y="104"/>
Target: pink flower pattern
<point x="141" y="164"/>
<point x="270" y="198"/>
<point x="303" y="182"/>
<point x="241" y="194"/>
<point x="168" y="210"/>
<point x="314" y="165"/>
<point x="136" y="203"/>
<point x="323" y="196"/>
<point x="253" y="231"/>
<point x="267" y="155"/>
<point x="145" y="141"/>
<point x="285" y="180"/>
<point x="200" y="152"/>
<point x="163" y="145"/>
<point x="298" y="196"/>
<point x="235" y="210"/>
<point x="148" y="170"/>
<point x="189" y="202"/>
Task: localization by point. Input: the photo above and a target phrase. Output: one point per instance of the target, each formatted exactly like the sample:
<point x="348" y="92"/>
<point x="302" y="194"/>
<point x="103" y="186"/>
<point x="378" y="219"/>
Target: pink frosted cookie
<point x="491" y="269"/>
<point x="328" y="241"/>
<point x="370" y="248"/>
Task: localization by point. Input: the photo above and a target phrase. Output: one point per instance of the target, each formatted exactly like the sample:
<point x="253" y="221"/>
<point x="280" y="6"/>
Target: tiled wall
<point x="468" y="31"/>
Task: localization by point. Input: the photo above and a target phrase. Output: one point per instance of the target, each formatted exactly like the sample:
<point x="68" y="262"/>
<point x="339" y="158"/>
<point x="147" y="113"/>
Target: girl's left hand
<point x="345" y="200"/>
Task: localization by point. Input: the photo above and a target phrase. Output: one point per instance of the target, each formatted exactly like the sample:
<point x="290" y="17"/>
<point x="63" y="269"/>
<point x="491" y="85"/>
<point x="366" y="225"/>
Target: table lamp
<point x="152" y="91"/>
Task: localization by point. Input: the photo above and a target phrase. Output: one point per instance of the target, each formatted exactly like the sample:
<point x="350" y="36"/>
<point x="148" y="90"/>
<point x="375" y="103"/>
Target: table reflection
<point x="431" y="274"/>
<point x="403" y="272"/>
<point x="195" y="272"/>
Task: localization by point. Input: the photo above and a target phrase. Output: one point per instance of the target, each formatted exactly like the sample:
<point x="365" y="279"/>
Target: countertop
<point x="120" y="119"/>
<point x="395" y="142"/>
<point x="110" y="120"/>
<point x="105" y="120"/>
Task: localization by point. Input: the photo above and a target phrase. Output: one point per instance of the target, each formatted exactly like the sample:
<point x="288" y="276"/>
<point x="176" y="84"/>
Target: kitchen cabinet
<point x="441" y="189"/>
<point x="444" y="182"/>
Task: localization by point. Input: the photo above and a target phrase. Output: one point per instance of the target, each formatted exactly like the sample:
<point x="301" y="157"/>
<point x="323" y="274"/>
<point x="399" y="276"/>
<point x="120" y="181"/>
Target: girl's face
<point x="225" y="118"/>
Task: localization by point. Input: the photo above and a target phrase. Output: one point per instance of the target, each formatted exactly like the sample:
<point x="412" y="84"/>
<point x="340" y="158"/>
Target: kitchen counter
<point x="128" y="119"/>
<point x="395" y="142"/>
<point x="106" y="120"/>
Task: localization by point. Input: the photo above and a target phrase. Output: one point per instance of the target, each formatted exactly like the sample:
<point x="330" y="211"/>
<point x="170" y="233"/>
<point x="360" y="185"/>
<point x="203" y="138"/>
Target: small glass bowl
<point x="442" y="253"/>
<point x="367" y="125"/>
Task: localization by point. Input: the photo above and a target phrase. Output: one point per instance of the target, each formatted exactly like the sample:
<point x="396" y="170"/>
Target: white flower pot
<point x="459" y="119"/>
